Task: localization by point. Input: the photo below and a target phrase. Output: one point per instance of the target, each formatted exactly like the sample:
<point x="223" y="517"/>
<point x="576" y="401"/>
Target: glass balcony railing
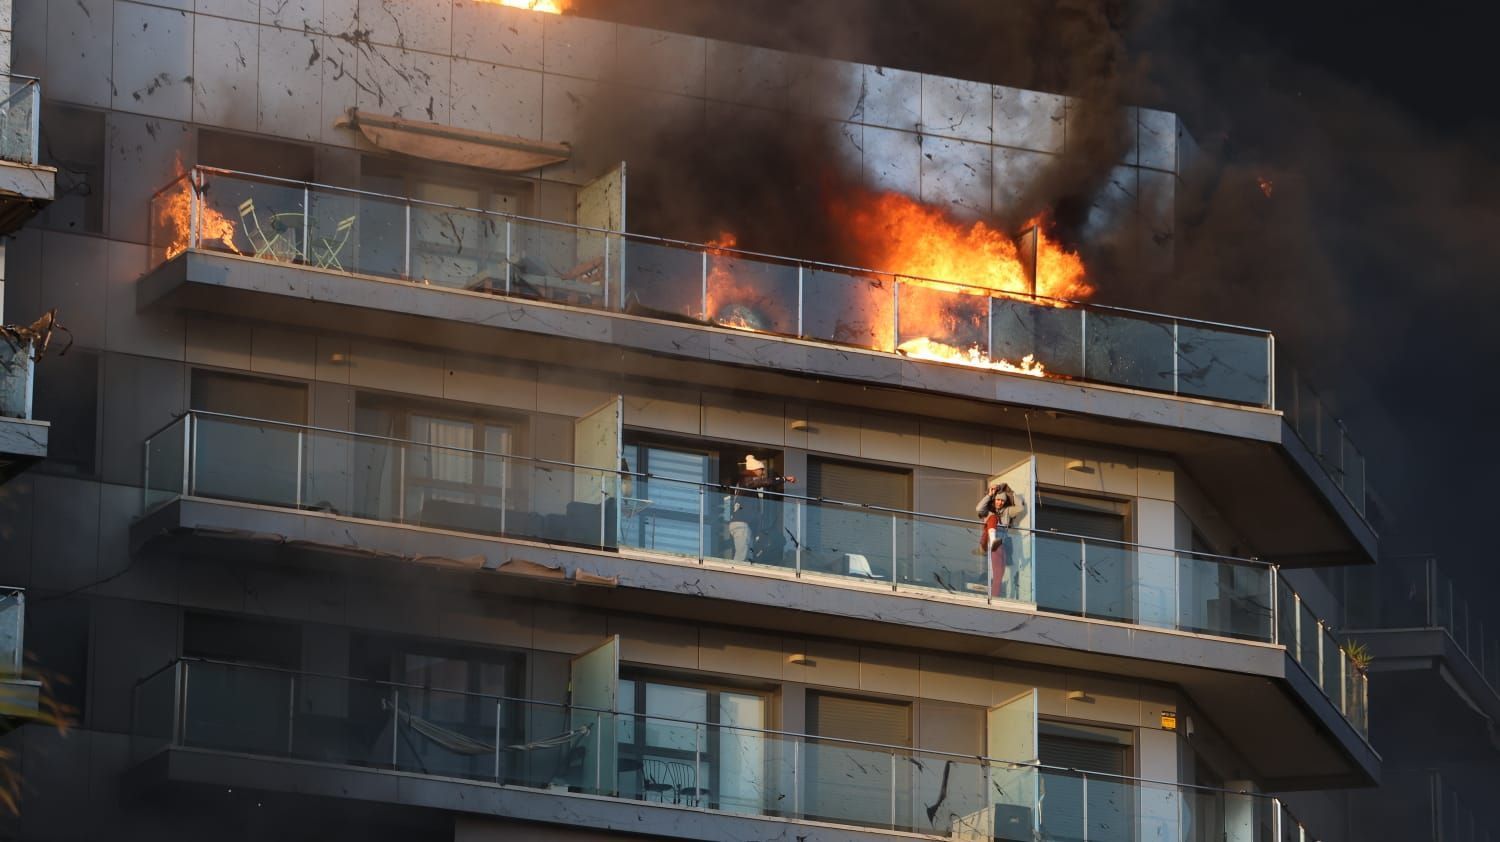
<point x="12" y="631"/>
<point x="1313" y="421"/>
<point x="481" y="251"/>
<point x="712" y="766"/>
<point x="389" y="480"/>
<point x="358" y="232"/>
<point x="1417" y="593"/>
<point x="19" y="113"/>
<point x="1313" y="645"/>
<point x="16" y="380"/>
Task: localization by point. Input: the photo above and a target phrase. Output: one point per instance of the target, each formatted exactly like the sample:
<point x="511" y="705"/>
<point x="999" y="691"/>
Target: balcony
<point x="245" y="468"/>
<point x="26" y="186"/>
<point x="19" y="697"/>
<point x="1427" y="622"/>
<point x="204" y="722"/>
<point x="23" y="441"/>
<point x="324" y="246"/>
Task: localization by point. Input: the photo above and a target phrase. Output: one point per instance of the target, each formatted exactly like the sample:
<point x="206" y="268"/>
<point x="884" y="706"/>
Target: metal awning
<point x="469" y="148"/>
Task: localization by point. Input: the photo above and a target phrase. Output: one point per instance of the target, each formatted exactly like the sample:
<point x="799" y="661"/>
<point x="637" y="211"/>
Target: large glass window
<point x="854" y="784"/>
<point x="1086" y="571"/>
<point x="1098" y="806"/>
<point x="667" y="510"/>
<point x="244" y="460"/>
<point x="851" y="540"/>
<point x="698" y="745"/>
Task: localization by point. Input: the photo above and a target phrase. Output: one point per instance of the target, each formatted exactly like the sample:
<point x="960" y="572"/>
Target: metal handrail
<point x="714" y="487"/>
<point x="795" y="735"/>
<point x="735" y="252"/>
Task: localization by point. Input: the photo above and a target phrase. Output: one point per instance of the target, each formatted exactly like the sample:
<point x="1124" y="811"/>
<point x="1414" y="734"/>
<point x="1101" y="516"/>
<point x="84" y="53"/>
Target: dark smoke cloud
<point x="768" y="178"/>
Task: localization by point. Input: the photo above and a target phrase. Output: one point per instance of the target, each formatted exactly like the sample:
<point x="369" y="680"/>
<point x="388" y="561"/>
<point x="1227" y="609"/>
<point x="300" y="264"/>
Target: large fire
<point x="173" y="216"/>
<point x="551" y="7"/>
<point x="947" y="272"/>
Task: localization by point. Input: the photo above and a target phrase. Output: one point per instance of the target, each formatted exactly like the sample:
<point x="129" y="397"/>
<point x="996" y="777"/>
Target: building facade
<point x="394" y="490"/>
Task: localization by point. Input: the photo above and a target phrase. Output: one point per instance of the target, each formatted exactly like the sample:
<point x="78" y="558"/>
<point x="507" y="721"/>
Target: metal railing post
<point x="406" y="249"/>
<point x="702" y="521"/>
<point x="36" y="121"/>
<point x="1275" y="579"/>
<point x="1083" y="344"/>
<point x="598" y="753"/>
<point x="509" y="256"/>
<point x="291" y="712"/>
<point x="1085" y="805"/>
<point x="306" y="225"/>
<point x="194" y="200"/>
<point x="500" y="707"/>
<point x="189" y="455"/>
<point x="1322" y="636"/>
<point x="1271" y="371"/>
<point x="1176" y="590"/>
<point x="179" y="704"/>
<point x="603" y="511"/>
<point x="401" y="485"/>
<point x="893" y="790"/>
<point x="703" y="281"/>
<point x="301" y="455"/>
<point x="893" y="551"/>
<point x="801" y="282"/>
<point x="505" y="475"/>
<point x="699" y="786"/>
<point x="1176" y="359"/>
<point x="608" y="279"/>
<point x="895" y="314"/>
<point x="395" y="727"/>
<point x="799" y="508"/>
<point x="797" y="778"/>
<point x="1297" y="625"/>
<point x="1083" y="578"/>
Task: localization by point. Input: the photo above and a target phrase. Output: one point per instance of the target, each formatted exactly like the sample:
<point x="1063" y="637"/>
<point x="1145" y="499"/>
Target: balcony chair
<point x="689" y="791"/>
<point x="659" y="777"/>
<point x="325" y="252"/>
<point x="273" y="246"/>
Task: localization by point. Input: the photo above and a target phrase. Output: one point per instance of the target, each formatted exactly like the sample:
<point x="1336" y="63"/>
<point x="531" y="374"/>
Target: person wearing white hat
<point x="752" y="515"/>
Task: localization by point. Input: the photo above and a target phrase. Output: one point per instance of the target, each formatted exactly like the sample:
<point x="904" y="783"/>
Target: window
<point x="665" y="511"/>
<point x="1104" y="809"/>
<point x="1087" y="571"/>
<point x="257" y="453"/>
<point x="849" y="540"/>
<point x="453" y="476"/>
<point x="665" y="755"/>
<point x="448" y="248"/>
<point x="260" y="656"/>
<point x="455" y="688"/>
<point x="849" y="783"/>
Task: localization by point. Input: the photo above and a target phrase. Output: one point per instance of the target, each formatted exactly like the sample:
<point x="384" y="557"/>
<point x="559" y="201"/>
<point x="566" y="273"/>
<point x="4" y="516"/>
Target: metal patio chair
<point x="325" y="252"/>
<point x="273" y="246"/>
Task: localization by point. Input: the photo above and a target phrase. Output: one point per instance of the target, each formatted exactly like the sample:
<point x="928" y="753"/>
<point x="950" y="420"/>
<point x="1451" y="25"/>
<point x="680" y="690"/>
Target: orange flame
<point x="947" y="322"/>
<point x="947" y="270"/>
<point x="173" y="212"/>
<point x="895" y="233"/>
<point x="551" y="7"/>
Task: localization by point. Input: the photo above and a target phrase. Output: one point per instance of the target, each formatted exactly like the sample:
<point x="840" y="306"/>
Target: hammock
<point x="460" y="744"/>
<point x="448" y="739"/>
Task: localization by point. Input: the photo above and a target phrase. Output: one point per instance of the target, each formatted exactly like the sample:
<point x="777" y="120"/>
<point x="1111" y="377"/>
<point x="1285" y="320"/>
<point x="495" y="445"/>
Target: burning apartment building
<point x="487" y="421"/>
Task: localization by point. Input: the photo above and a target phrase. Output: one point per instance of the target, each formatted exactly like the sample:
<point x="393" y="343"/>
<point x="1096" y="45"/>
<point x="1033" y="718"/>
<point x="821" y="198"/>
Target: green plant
<point x="1357" y="653"/>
